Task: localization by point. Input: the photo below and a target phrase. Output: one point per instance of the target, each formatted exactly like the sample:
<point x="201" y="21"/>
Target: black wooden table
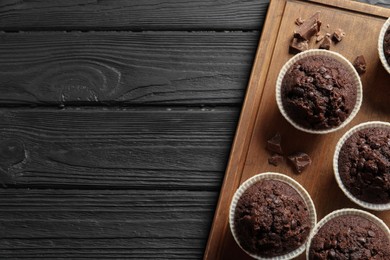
<point x="116" y="122"/>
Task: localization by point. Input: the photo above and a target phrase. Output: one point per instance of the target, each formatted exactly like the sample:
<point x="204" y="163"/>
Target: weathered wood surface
<point x="137" y="224"/>
<point x="136" y="14"/>
<point x="131" y="148"/>
<point x="125" y="67"/>
<point x="132" y="15"/>
<point x="111" y="212"/>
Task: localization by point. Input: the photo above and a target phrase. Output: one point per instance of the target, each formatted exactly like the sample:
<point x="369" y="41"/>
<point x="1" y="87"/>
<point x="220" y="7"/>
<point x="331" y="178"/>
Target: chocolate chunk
<point x="338" y="35"/>
<point x="300" y="161"/>
<point x="271" y="218"/>
<point x="325" y="43"/>
<point x="360" y="64"/>
<point x="274" y="144"/>
<point x="298" y="45"/>
<point x="275" y="159"/>
<point x="299" y="21"/>
<point x="319" y="38"/>
<point x="309" y="28"/>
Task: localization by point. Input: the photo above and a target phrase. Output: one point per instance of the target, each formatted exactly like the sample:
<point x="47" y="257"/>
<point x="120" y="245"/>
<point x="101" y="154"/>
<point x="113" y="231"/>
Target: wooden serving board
<point x="260" y="118"/>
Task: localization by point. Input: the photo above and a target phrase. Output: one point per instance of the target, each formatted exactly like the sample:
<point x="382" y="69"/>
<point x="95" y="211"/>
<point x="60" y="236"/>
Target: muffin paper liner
<point x="366" y="205"/>
<point x="279" y="177"/>
<point x="381" y="53"/>
<point x="314" y="52"/>
<point x="342" y="212"/>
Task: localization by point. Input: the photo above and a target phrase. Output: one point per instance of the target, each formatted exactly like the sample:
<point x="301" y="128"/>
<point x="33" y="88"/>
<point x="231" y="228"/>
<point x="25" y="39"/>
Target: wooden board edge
<point x="354" y="6"/>
<point x="245" y="126"/>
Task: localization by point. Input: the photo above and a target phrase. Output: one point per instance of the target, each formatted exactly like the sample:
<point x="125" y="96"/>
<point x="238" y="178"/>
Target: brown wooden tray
<point x="260" y="117"/>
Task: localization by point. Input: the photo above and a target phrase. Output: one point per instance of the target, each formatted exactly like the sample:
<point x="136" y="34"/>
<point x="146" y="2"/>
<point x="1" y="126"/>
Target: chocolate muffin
<point x="364" y="165"/>
<point x="386" y="45"/>
<point x="271" y="219"/>
<point x="318" y="92"/>
<point x="350" y="237"/>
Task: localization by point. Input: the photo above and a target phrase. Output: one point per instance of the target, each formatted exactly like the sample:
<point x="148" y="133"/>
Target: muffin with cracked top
<point x="362" y="164"/>
<point x="270" y="217"/>
<point x="349" y="234"/>
<point x="318" y="91"/>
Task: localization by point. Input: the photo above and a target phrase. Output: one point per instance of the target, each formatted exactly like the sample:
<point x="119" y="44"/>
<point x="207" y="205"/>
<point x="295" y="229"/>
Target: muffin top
<point x="318" y="92"/>
<point x="364" y="165"/>
<point x="271" y="219"/>
<point x="350" y="237"/>
<point x="386" y="45"/>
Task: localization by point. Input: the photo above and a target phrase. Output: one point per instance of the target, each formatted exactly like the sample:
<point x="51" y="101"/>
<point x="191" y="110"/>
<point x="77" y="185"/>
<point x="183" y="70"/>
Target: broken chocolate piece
<point x="309" y="28"/>
<point x="275" y="159"/>
<point x="299" y="21"/>
<point x="300" y="161"/>
<point x="298" y="45"/>
<point x="360" y="64"/>
<point x="274" y="144"/>
<point x="319" y="38"/>
<point x="338" y="35"/>
<point x="325" y="43"/>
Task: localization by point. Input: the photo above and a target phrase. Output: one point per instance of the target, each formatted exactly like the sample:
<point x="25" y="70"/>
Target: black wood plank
<point x="150" y="148"/>
<point x="132" y="15"/>
<point x="137" y="224"/>
<point x="125" y="67"/>
<point x="136" y="14"/>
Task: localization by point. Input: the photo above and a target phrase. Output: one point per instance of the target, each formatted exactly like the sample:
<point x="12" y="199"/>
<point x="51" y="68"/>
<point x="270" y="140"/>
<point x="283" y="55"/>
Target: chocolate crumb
<point x="275" y="159"/>
<point x="338" y="35"/>
<point x="298" y="45"/>
<point x="309" y="28"/>
<point x="360" y="64"/>
<point x="327" y="26"/>
<point x="325" y="43"/>
<point x="299" y="21"/>
<point x="274" y="144"/>
<point x="300" y="161"/>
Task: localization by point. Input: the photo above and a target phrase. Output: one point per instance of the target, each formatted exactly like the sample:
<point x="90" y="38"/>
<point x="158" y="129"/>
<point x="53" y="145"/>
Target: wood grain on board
<point x="125" y="67"/>
<point x="132" y="15"/>
<point x="261" y="116"/>
<point x="148" y="148"/>
<point x="119" y="224"/>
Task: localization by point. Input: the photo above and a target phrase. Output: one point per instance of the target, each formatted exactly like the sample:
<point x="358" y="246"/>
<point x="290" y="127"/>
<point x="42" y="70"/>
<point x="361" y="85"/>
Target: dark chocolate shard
<point x="360" y="64"/>
<point x="338" y="35"/>
<point x="300" y="161"/>
<point x="319" y="38"/>
<point x="274" y="144"/>
<point x="275" y="159"/>
<point x="298" y="45"/>
<point x="309" y="28"/>
<point x="325" y="44"/>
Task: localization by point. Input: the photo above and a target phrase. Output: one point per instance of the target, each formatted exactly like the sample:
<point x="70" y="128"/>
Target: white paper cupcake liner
<point x="279" y="177"/>
<point x="381" y="53"/>
<point x="314" y="52"/>
<point x="364" y="204"/>
<point x="342" y="212"/>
